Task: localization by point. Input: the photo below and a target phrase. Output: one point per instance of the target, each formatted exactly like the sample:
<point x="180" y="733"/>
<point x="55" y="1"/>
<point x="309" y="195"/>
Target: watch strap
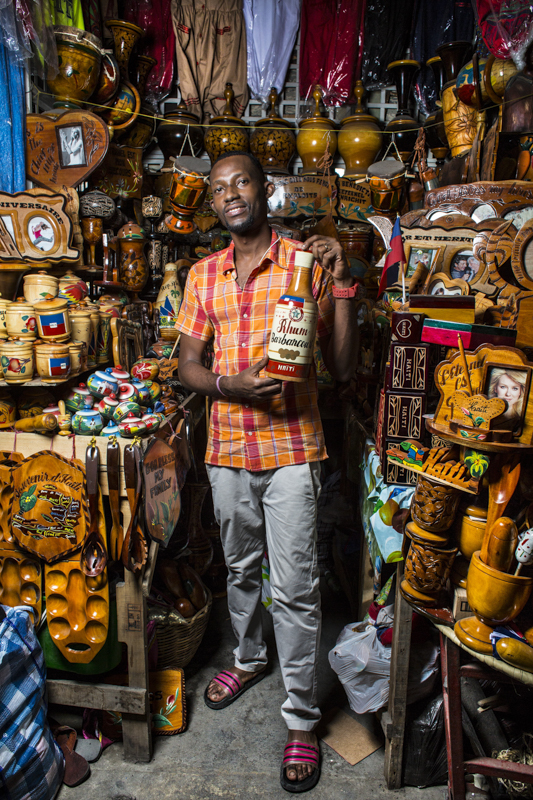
<point x="346" y="293"/>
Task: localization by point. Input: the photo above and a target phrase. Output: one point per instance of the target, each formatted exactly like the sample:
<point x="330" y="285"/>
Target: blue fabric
<point x="12" y="123"/>
<point x="31" y="763"/>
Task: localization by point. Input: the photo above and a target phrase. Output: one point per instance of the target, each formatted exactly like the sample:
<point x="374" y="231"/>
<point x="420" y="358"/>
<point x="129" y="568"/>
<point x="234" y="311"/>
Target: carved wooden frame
<point x="510" y="368"/>
<point x="127" y="336"/>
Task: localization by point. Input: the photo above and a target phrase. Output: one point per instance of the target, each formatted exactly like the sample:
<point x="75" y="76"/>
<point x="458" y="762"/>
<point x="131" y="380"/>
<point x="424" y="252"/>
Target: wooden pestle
<point x="42" y="423"/>
<point x="497" y="549"/>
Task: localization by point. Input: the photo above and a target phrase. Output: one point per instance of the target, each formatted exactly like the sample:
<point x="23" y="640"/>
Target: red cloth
<point x="505" y="25"/>
<point x="154" y="17"/>
<point x="331" y="48"/>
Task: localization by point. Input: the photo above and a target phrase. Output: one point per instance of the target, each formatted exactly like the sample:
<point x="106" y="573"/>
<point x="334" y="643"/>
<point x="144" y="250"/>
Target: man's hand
<point x="330" y="255"/>
<point x="248" y="384"/>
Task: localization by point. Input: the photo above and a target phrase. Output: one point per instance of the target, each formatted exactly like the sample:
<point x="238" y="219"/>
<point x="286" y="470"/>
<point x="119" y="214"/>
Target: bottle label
<point x="292" y="339"/>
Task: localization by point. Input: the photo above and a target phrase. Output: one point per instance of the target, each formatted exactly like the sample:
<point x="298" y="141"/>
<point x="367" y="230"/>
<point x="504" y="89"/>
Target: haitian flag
<point x="391" y="277"/>
<point x="59" y="367"/>
<point x="53" y="324"/>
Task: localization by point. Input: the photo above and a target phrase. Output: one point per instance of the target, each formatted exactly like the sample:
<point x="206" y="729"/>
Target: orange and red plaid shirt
<point x="255" y="435"/>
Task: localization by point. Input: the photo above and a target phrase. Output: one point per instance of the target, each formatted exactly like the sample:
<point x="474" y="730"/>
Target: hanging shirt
<point x="271" y="29"/>
<point x="250" y="434"/>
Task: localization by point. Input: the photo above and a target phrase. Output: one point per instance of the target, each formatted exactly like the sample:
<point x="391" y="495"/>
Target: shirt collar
<point x="228" y="262"/>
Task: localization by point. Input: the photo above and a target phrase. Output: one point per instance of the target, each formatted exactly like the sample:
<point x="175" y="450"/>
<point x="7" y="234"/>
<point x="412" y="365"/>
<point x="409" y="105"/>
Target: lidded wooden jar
<point x="273" y="142"/>
<point x="360" y="138"/>
<point x="226" y="133"/>
<point x="316" y="136"/>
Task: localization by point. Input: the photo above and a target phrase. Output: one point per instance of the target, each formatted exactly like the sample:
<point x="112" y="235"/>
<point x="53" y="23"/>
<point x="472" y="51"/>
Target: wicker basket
<point x="178" y="638"/>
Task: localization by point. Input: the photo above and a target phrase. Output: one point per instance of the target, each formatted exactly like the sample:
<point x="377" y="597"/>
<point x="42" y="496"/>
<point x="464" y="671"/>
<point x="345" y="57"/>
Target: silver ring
<point x="327" y="247"/>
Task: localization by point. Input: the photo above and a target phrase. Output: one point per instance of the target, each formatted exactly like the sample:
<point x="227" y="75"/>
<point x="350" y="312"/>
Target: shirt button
<point x="249" y="433"/>
<point x="245" y="316"/>
<point x="247" y="405"/>
<point x="243" y="344"/>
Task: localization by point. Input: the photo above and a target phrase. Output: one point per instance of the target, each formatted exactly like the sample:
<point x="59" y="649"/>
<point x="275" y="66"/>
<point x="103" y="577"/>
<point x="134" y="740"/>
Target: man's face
<point x="239" y="197"/>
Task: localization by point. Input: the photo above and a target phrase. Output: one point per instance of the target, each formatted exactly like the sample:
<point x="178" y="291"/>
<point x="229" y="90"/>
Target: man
<point x="265" y="442"/>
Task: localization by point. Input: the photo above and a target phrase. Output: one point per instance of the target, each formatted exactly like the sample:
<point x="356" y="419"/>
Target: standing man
<point x="265" y="442"/>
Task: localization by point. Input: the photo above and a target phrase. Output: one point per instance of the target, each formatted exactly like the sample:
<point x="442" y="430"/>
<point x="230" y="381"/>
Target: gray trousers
<point x="275" y="509"/>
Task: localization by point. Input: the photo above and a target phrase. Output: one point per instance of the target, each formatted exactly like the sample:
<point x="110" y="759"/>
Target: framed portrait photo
<point x="71" y="146"/>
<point x="420" y="255"/>
<point x="512" y="384"/>
<point x="465" y="266"/>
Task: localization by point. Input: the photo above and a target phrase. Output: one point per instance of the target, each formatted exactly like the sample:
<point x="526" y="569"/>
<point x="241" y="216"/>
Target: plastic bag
<point x="386" y="36"/>
<point x="506" y="27"/>
<point x="425" y="747"/>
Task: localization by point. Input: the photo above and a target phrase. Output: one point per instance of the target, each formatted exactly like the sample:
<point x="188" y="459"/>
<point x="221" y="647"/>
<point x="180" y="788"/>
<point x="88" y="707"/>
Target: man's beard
<point x="241" y="227"/>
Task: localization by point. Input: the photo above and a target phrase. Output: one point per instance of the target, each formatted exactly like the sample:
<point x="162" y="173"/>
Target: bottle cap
<point x="303" y="258"/>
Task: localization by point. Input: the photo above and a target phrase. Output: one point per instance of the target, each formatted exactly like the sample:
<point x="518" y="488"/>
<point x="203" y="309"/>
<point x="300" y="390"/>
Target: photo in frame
<point x="512" y="384"/>
<point x="464" y="266"/>
<point x="71" y="146"/>
<point x="416" y="255"/>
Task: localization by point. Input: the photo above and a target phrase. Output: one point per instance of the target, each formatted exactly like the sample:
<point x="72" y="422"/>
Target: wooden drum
<point x="187" y="193"/>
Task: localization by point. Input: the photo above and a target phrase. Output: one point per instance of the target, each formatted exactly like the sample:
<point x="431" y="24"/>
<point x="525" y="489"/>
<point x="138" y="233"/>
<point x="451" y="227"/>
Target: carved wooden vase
<point x="133" y="265"/>
<point x="427" y="568"/>
<point x="434" y="505"/>
<point x="201" y="547"/>
<point x="79" y="57"/>
<point x="273" y="141"/>
<point x="403" y="125"/>
<point x="360" y="138"/>
<point x="461" y="122"/>
<point x="227" y="132"/>
<point x="316" y="137"/>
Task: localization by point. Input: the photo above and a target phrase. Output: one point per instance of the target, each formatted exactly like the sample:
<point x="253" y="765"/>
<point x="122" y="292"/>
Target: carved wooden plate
<point x="64" y="150"/>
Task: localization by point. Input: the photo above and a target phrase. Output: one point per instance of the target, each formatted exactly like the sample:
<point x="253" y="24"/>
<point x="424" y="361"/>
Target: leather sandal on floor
<point x="77" y="769"/>
<point x="234" y="685"/>
<point x="300" y="753"/>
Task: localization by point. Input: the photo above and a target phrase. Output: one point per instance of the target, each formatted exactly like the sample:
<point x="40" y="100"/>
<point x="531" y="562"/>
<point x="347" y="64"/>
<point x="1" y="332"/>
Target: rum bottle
<point x="292" y="339"/>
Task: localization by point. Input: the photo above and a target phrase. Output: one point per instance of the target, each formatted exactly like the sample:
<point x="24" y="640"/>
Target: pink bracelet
<point x="219" y="390"/>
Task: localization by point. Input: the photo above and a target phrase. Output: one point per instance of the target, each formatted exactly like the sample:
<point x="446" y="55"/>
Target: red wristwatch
<point x="346" y="293"/>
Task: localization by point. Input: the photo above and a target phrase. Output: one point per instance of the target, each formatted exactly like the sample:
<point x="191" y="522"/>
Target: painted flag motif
<point x="59" y="367"/>
<point x="53" y="324"/>
<point x="391" y="277"/>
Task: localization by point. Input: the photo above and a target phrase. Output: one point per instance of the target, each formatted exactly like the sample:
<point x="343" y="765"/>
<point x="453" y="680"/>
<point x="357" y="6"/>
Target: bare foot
<point x="299" y="772"/>
<point x="216" y="692"/>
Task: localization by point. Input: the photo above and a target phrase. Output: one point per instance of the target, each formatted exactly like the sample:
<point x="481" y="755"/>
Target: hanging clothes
<point x="211" y="51"/>
<point x="436" y="24"/>
<point x="505" y="26"/>
<point x="12" y="123"/>
<point x="271" y="30"/>
<point x="67" y="12"/>
<point x="387" y="30"/>
<point x="331" y="48"/>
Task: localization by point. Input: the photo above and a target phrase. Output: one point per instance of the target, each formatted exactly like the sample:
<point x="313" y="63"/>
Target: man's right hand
<point x="248" y="384"/>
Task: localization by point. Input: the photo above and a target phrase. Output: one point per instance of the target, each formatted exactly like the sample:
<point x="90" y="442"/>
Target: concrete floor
<point x="235" y="753"/>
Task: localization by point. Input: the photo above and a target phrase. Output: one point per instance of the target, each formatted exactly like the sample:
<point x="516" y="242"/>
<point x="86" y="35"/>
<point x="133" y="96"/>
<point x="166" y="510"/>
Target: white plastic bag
<point x="363" y="666"/>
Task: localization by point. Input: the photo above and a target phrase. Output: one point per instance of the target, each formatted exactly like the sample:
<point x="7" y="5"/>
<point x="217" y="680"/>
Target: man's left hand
<point x="330" y="255"/>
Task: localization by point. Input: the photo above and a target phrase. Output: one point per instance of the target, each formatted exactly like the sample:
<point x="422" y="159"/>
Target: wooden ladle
<point x="503" y="475"/>
<point x="93" y="559"/>
<point x="134" y="548"/>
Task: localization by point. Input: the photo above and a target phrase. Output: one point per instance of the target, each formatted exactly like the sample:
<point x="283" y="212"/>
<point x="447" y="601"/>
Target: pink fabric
<point x="154" y="17"/>
<point x="331" y="48"/>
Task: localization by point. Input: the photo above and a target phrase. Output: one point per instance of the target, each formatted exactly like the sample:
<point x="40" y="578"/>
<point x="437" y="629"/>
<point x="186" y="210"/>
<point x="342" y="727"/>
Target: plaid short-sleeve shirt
<point x="255" y="435"/>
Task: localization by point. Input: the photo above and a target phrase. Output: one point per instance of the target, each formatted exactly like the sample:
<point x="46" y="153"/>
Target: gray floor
<point x="236" y="753"/>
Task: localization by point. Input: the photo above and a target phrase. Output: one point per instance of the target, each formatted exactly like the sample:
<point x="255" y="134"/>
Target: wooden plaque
<point x="409" y="367"/>
<point x="35" y="227"/>
<point x="299" y="196"/>
<point x="404" y="415"/>
<point x="64" y="150"/>
<point x="49" y="515"/>
<point x="354" y="202"/>
<point x="162" y="500"/>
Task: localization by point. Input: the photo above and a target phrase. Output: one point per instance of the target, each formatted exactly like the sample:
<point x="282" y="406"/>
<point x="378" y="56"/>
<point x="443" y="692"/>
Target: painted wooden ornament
<point x="20" y="580"/>
<point x="162" y="500"/>
<point x="49" y="515"/>
<point x="35" y="227"/>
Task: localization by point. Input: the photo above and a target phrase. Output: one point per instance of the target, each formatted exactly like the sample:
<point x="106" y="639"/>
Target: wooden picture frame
<point x="127" y="342"/>
<point x="71" y="145"/>
<point x="415" y="254"/>
<point x="513" y="384"/>
<point x="35" y="227"/>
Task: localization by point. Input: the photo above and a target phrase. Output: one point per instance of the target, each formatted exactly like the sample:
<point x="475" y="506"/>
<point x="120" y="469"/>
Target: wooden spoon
<point x="134" y="548"/>
<point x="113" y="481"/>
<point x="93" y="559"/>
<point x="503" y="475"/>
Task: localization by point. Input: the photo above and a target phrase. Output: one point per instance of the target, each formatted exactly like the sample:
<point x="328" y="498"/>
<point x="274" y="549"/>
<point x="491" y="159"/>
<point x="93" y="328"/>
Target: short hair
<point x="255" y="162"/>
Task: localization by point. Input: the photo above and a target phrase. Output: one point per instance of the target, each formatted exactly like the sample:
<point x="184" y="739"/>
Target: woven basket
<point x="178" y="638"/>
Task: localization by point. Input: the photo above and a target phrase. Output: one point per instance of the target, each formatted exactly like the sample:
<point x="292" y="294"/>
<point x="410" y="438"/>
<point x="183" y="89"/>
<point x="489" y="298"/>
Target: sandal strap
<point x="229" y="681"/>
<point x="300" y="753"/>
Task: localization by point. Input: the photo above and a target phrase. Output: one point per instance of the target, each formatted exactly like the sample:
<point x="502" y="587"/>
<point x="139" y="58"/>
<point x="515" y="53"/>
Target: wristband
<point x="346" y="293"/>
<point x="219" y="390"/>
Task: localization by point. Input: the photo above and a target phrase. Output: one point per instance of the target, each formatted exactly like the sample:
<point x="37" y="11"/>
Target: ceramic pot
<point x="52" y="409"/>
<point x="102" y="383"/>
<point x="468" y="534"/>
<point x="93" y="204"/>
<point x="131" y="426"/>
<point x="133" y="266"/>
<point x="434" y="505"/>
<point x="151" y="420"/>
<point x="38" y="285"/>
<point x="273" y="141"/>
<point x="125" y="37"/>
<point x="142" y="133"/>
<point x="79" y="56"/>
<point x="108" y="80"/>
<point x="124" y="408"/>
<point x="20" y="320"/>
<point x="180" y="134"/>
<point x="72" y="289"/>
<point x="111" y="429"/>
<point x="18" y="360"/>
<point x="78" y="357"/>
<point x="121" y="375"/>
<point x="434" y="124"/>
<point x="496" y="598"/>
<point x="403" y="125"/>
<point x="142" y="392"/>
<point x="168" y="303"/>
<point x="87" y="422"/>
<point x="316" y="137"/>
<point x="200" y="546"/>
<point x="496" y="75"/>
<point x="107" y="405"/>
<point x="124" y="109"/>
<point x="126" y="392"/>
<point x="357" y="242"/>
<point x="187" y="193"/>
<point x="4" y="305"/>
<point x="53" y="321"/>
<point x="154" y="390"/>
<point x="226" y="133"/>
<point x="427" y="568"/>
<point x="79" y="398"/>
<point x="8" y="409"/>
<point x="517" y="111"/>
<point x="147" y="369"/>
<point x="32" y="401"/>
<point x="103" y="346"/>
<point x="360" y="138"/>
<point x="52" y="361"/>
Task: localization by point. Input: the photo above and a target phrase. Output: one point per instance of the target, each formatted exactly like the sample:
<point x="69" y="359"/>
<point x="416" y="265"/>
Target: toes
<point x="292" y="775"/>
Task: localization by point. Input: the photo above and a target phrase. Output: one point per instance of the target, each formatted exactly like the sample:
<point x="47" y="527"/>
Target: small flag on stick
<point x="393" y="275"/>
